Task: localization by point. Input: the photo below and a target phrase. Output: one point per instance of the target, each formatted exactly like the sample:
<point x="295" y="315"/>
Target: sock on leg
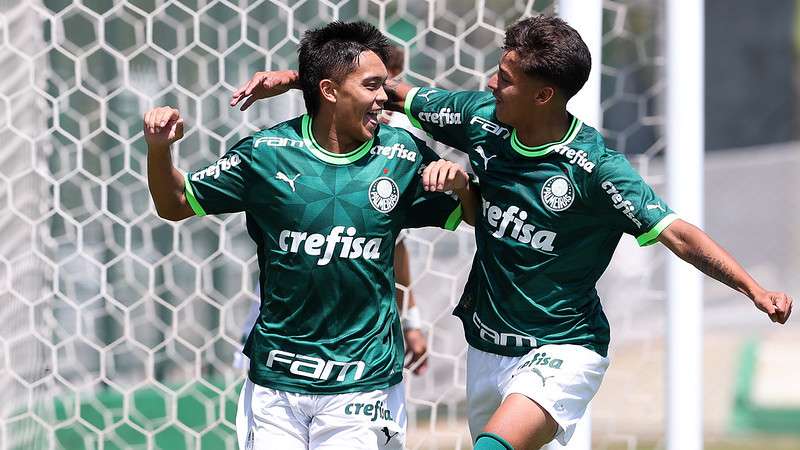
<point x="491" y="441"/>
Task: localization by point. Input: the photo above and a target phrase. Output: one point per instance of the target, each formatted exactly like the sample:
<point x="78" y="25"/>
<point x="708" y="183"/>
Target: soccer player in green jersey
<point x="325" y="196"/>
<point x="555" y="202"/>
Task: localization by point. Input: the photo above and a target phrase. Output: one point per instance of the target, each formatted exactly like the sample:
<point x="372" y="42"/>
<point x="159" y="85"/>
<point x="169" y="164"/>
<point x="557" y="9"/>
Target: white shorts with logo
<point x="562" y="379"/>
<point x="271" y="419"/>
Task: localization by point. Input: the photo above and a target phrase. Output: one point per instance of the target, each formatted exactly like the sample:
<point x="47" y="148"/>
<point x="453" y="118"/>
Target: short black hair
<point x="331" y="52"/>
<point x="550" y="49"/>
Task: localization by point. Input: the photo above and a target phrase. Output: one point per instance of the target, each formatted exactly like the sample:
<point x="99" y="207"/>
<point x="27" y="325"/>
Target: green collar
<point x="541" y="150"/>
<point x="330" y="157"/>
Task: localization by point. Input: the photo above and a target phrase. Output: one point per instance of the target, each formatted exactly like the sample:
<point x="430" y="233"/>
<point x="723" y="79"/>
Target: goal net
<point x="118" y="329"/>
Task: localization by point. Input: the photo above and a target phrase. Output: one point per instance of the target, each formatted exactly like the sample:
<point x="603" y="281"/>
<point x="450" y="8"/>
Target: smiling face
<point x="360" y="98"/>
<point x="515" y="92"/>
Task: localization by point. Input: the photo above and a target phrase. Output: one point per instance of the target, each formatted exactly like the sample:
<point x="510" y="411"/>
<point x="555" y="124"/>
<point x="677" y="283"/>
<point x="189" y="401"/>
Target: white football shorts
<point x="271" y="419"/>
<point x="562" y="379"/>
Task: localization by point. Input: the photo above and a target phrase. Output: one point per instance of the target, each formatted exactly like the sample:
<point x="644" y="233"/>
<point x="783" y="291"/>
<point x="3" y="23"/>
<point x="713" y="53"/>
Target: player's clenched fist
<point x="162" y="126"/>
<point x="777" y="305"/>
<point x="443" y="175"/>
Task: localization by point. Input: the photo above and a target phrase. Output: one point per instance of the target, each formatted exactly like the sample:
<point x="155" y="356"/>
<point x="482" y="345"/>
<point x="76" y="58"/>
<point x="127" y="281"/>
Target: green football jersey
<point x="324" y="225"/>
<point x="552" y="216"/>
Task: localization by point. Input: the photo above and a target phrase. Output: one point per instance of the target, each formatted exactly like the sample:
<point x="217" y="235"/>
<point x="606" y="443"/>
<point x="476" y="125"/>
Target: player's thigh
<point x="361" y="421"/>
<point x="485" y="375"/>
<point x="522" y="423"/>
<point x="554" y="383"/>
<point x="265" y="420"/>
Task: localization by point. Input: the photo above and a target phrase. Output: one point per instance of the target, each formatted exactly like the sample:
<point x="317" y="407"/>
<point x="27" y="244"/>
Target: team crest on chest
<point x="384" y="194"/>
<point x="558" y="193"/>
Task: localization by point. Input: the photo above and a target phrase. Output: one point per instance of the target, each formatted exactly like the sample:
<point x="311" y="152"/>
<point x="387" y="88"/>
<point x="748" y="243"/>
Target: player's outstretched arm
<point x="265" y="85"/>
<point x="695" y="247"/>
<point x="443" y="176"/>
<point x="273" y="83"/>
<point x="162" y="127"/>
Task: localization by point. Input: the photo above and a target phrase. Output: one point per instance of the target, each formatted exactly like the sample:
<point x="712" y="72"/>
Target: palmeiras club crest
<point x="384" y="194"/>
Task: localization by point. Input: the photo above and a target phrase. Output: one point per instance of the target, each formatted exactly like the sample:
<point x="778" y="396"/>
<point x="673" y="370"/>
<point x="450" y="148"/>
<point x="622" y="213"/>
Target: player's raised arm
<point x="265" y="85"/>
<point x="162" y="127"/>
<point x="273" y="83"/>
<point x="694" y="246"/>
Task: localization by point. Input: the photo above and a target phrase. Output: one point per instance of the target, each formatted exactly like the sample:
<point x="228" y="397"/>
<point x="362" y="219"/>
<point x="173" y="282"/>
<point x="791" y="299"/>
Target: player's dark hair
<point x="549" y="49"/>
<point x="331" y="52"/>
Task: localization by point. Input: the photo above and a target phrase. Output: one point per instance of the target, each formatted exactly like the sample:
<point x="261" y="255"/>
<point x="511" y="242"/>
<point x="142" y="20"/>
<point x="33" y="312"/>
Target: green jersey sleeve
<point x="431" y="209"/>
<point x="222" y="186"/>
<point x="444" y="115"/>
<point x="627" y="202"/>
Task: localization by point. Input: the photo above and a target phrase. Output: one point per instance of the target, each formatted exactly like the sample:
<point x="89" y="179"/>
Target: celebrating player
<point x="325" y="195"/>
<point x="555" y="202"/>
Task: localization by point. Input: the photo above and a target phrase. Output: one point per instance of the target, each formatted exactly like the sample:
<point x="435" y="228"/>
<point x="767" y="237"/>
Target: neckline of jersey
<point x="330" y="157"/>
<point x="541" y="150"/>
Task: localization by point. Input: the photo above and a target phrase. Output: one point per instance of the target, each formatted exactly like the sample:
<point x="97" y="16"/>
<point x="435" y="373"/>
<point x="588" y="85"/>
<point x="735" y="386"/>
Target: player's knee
<point x="491" y="441"/>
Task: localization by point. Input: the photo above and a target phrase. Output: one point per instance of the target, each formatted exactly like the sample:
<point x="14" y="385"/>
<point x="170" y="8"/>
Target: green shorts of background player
<point x="324" y="206"/>
<point x="555" y="202"/>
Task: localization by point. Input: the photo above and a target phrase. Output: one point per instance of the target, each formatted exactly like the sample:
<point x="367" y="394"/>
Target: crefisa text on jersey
<point x="215" y="169"/>
<point x="352" y="247"/>
<point x="390" y="151"/>
<point x="576" y="157"/>
<point x="523" y="232"/>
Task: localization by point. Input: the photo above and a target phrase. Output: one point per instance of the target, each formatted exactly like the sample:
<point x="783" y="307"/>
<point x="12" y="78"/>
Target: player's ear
<point x="328" y="89"/>
<point x="544" y="95"/>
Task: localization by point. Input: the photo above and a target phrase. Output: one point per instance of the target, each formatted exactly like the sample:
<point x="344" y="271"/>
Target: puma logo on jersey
<point x="625" y="206"/>
<point x="388" y="436"/>
<point x="426" y="95"/>
<point x="290" y="181"/>
<point x="345" y="246"/>
<point x="514" y="218"/>
<point x="479" y="151"/>
<point x="312" y="367"/>
<point x="488" y="334"/>
<point x="490" y="127"/>
<point x="656" y="206"/>
<point x="444" y="116"/>
<point x="576" y="157"/>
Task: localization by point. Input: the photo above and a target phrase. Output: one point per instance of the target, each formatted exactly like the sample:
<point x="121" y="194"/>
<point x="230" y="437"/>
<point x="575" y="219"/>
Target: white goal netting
<point x="118" y="329"/>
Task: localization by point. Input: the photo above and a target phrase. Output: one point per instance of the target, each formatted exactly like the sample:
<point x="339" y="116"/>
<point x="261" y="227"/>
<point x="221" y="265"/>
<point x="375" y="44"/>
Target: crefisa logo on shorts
<point x="558" y="193"/>
<point x="384" y="194"/>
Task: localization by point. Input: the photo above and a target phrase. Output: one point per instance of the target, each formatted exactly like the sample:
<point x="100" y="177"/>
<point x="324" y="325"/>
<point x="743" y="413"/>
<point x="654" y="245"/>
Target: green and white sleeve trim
<point x="651" y="237"/>
<point x="454" y="219"/>
<point x="190" y="197"/>
<point x="407" y="107"/>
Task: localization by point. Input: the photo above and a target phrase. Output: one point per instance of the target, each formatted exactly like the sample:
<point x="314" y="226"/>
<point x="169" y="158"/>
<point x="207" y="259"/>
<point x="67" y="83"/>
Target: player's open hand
<point x="443" y="175"/>
<point x="777" y="305"/>
<point x="162" y="126"/>
<point x="416" y="351"/>
<point x="264" y="85"/>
